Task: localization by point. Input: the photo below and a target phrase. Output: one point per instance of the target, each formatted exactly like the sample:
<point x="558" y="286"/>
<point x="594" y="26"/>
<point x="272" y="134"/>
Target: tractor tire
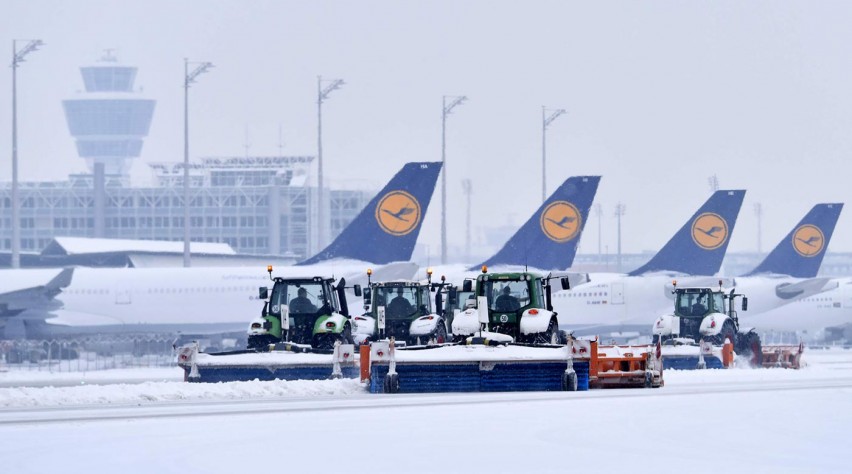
<point x="728" y="332"/>
<point x="549" y="336"/>
<point x="569" y="382"/>
<point x="748" y="346"/>
<point x="391" y="383"/>
<point x="440" y="333"/>
<point x="346" y="335"/>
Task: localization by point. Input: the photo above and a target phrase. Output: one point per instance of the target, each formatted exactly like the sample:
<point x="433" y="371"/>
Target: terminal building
<point x="257" y="205"/>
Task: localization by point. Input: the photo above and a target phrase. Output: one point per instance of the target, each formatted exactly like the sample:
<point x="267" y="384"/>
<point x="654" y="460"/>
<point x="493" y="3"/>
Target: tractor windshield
<point x="302" y="297"/>
<point x="507" y="295"/>
<point x="399" y="301"/>
<point x="697" y="303"/>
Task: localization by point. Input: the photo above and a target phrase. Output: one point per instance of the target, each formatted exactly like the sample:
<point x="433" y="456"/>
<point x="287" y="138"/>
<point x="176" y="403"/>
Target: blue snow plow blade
<point x="479" y="377"/>
<point x="548" y="240"/>
<point x="800" y="253"/>
<point x="690" y="362"/>
<point x="387" y="228"/>
<point x="699" y="246"/>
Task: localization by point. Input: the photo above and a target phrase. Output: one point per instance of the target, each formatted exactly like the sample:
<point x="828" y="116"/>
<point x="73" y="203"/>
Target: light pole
<point x="17" y="58"/>
<point x="599" y="214"/>
<point x="619" y="211"/>
<point x="188" y="78"/>
<point x="447" y="110"/>
<point x="468" y="190"/>
<point x="758" y="212"/>
<point x="322" y="96"/>
<point x="546" y="120"/>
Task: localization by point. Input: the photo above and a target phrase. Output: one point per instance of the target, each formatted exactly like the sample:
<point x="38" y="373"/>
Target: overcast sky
<point x="660" y="96"/>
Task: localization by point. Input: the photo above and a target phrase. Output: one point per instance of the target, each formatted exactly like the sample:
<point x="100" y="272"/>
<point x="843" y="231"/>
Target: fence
<point x="87" y="354"/>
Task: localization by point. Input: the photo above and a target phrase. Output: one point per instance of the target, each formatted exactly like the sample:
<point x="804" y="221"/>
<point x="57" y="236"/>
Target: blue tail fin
<point x="548" y="241"/>
<point x="800" y="253"/>
<point x="386" y="230"/>
<point x="699" y="246"/>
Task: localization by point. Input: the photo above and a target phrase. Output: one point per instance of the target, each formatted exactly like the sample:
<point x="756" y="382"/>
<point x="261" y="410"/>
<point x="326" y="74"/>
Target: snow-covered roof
<point x="86" y="245"/>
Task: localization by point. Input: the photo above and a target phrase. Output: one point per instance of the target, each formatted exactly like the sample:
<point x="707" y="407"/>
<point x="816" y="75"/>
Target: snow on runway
<point x="760" y="420"/>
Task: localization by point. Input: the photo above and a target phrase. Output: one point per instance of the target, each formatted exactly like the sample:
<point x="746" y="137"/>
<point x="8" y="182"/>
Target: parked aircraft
<point x="59" y="302"/>
<point x="629" y="304"/>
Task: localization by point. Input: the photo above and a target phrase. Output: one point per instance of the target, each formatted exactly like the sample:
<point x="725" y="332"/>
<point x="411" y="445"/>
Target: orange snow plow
<point x="612" y="366"/>
<point x="784" y="356"/>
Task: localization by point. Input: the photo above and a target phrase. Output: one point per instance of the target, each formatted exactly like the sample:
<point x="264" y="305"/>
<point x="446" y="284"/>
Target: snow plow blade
<point x="782" y="356"/>
<point x="472" y="368"/>
<point x="241" y="366"/>
<point x="613" y="366"/>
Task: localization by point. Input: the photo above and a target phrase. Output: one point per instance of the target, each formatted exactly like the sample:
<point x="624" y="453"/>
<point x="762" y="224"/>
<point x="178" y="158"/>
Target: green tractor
<point x="308" y="310"/>
<point x="515" y="304"/>
<point x="406" y="311"/>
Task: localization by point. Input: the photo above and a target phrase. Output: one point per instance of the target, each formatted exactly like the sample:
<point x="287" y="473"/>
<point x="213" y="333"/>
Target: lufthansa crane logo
<point x="808" y="240"/>
<point x="560" y="221"/>
<point x="709" y="231"/>
<point x="398" y="213"/>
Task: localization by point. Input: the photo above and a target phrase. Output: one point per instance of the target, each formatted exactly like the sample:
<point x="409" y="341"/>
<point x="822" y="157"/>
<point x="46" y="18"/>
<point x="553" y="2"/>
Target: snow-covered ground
<point x="736" y="420"/>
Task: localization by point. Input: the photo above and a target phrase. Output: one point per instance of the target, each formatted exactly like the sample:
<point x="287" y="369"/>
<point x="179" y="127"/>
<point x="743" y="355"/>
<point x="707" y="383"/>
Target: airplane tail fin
<point x="699" y="246"/>
<point x="800" y="253"/>
<point x="387" y="228"/>
<point x="548" y="240"/>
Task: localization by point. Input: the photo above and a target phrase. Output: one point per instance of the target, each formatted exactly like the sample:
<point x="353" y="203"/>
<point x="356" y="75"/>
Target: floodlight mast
<point x="17" y="58"/>
<point x="322" y="96"/>
<point x="546" y="120"/>
<point x="188" y="78"/>
<point x="447" y="110"/>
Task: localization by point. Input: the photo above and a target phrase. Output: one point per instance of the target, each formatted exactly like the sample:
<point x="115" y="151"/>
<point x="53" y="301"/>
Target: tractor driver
<point x="506" y="302"/>
<point x="698" y="309"/>
<point x="399" y="306"/>
<point x="301" y="303"/>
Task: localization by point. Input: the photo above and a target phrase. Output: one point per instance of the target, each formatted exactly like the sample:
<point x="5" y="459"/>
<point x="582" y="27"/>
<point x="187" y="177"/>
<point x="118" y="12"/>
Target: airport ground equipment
<point x="517" y="304"/>
<point x="409" y="311"/>
<point x="309" y="310"/>
<point x="481" y="365"/>
<point x="783" y="356"/>
<point x="286" y="361"/>
<point x="619" y="366"/>
<point x="705" y="315"/>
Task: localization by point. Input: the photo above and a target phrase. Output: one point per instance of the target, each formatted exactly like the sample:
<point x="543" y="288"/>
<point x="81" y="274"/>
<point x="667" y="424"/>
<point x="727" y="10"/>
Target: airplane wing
<point x="23" y="293"/>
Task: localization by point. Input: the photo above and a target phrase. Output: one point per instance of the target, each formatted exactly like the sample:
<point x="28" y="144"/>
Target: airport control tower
<point x="108" y="121"/>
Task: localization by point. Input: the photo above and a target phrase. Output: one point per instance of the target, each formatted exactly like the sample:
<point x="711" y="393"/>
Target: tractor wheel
<point x="346" y="335"/>
<point x="728" y="332"/>
<point x="440" y="333"/>
<point x="748" y="346"/>
<point x="391" y="383"/>
<point x="549" y="336"/>
<point x="569" y="382"/>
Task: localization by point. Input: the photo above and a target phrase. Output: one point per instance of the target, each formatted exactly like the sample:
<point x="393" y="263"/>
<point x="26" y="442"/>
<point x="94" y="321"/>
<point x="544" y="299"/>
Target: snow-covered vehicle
<point x="515" y="304"/>
<point x="406" y="311"/>
<point x="309" y="310"/>
<point x="709" y="315"/>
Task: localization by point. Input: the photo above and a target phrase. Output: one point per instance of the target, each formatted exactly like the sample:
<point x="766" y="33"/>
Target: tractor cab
<point x="305" y="310"/>
<point x="404" y="310"/>
<point x="517" y="304"/>
<point x="698" y="302"/>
